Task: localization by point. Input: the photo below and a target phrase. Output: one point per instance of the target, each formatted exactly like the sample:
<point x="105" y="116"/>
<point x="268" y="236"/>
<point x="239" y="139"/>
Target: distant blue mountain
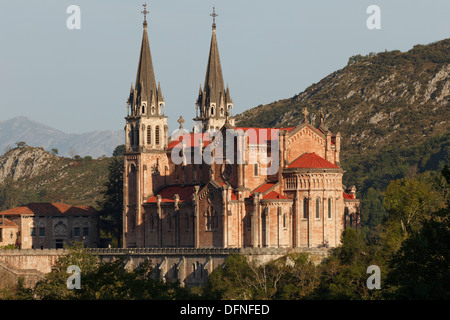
<point x="36" y="134"/>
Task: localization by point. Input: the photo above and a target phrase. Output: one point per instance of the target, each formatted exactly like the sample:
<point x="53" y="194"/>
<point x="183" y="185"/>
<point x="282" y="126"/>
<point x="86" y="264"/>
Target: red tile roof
<point x="6" y="223"/>
<point x="185" y="193"/>
<point x="265" y="191"/>
<point x="49" y="209"/>
<point x="311" y="160"/>
<point x="191" y="140"/>
<point x="274" y="195"/>
<point x="348" y="196"/>
<point x="265" y="187"/>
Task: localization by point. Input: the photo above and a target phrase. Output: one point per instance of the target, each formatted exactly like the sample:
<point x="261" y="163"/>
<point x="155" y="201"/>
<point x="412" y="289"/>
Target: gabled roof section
<point x="6" y="223"/>
<point x="348" y="196"/>
<point x="49" y="209"/>
<point x="263" y="135"/>
<point x="264" y="188"/>
<point x="303" y="125"/>
<point x="312" y="160"/>
<point x="273" y="195"/>
<point x="191" y="140"/>
<point x="168" y="193"/>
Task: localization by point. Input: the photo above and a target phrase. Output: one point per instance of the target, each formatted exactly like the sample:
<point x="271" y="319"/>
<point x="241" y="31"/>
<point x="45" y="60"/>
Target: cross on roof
<point x="145" y="13"/>
<point x="181" y="121"/>
<point x="305" y="113"/>
<point x="214" y="15"/>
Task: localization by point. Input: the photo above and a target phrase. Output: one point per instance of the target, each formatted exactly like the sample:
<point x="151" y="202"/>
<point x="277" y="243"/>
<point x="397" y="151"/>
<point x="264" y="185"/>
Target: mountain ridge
<point x="375" y="100"/>
<point x="36" y="134"/>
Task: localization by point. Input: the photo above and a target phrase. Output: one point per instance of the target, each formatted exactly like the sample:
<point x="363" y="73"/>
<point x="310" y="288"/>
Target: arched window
<point x="149" y="135"/>
<point x="317" y="208"/>
<point x="143" y="109"/>
<point x="284" y="220"/>
<point x="329" y="208"/>
<point x="305" y="208"/>
<point x="157" y="135"/>
<point x="256" y="170"/>
<point x="212" y="111"/>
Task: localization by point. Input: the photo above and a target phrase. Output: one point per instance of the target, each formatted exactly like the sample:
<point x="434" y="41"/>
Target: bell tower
<point x="214" y="105"/>
<point x="146" y="141"/>
<point x="146" y="127"/>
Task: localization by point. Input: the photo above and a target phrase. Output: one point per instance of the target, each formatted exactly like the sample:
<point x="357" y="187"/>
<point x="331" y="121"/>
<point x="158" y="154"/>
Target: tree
<point x="420" y="269"/>
<point x="119" y="150"/>
<point x="230" y="280"/>
<point x="104" y="281"/>
<point x="111" y="206"/>
<point x="9" y="194"/>
<point x="408" y="199"/>
<point x="54" y="151"/>
<point x="21" y="144"/>
<point x="53" y="286"/>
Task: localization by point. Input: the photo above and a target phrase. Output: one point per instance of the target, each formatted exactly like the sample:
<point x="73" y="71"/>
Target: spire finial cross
<point x="305" y="113"/>
<point x="214" y="15"/>
<point x="145" y="13"/>
<point x="181" y="121"/>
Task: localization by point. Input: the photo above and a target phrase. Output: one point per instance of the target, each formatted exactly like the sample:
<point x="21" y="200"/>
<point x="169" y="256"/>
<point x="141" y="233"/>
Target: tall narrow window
<point x="305" y="208"/>
<point x="329" y="208"/>
<point x="149" y="135"/>
<point x="284" y="220"/>
<point x="157" y="135"/>
<point x="137" y="135"/>
<point x="132" y="135"/>
<point x="317" y="208"/>
<point x="256" y="170"/>
<point x="187" y="221"/>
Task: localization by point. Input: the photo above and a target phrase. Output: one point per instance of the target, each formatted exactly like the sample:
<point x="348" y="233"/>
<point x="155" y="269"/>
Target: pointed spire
<point x="145" y="78"/>
<point x="214" y="84"/>
<point x="160" y="96"/>
<point x="228" y="97"/>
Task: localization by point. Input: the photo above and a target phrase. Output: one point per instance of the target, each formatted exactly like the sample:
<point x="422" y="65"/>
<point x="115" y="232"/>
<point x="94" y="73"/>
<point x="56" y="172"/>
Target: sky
<point x="78" y="80"/>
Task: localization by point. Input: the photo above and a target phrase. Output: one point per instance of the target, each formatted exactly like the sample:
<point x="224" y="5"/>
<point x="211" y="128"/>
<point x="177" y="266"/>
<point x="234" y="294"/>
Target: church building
<point x="222" y="186"/>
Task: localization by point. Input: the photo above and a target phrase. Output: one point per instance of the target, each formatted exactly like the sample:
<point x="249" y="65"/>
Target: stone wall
<point x="188" y="265"/>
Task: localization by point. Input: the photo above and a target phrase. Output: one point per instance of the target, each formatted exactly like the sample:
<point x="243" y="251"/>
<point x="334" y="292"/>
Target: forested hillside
<point x="392" y="110"/>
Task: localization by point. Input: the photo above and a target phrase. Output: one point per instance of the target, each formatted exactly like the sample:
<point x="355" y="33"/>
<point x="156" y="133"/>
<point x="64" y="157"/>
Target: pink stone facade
<point x="223" y="186"/>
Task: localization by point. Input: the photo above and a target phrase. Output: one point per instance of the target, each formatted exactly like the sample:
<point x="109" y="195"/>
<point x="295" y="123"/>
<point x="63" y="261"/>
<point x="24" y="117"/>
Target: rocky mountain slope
<point x="30" y="174"/>
<point x="376" y="101"/>
<point x="36" y="134"/>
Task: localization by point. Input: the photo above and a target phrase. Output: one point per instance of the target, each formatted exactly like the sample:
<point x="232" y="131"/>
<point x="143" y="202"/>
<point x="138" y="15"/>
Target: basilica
<point x="223" y="186"/>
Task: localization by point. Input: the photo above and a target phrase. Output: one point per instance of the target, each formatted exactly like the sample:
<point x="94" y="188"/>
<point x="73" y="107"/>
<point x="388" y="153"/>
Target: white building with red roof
<point x="51" y="225"/>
